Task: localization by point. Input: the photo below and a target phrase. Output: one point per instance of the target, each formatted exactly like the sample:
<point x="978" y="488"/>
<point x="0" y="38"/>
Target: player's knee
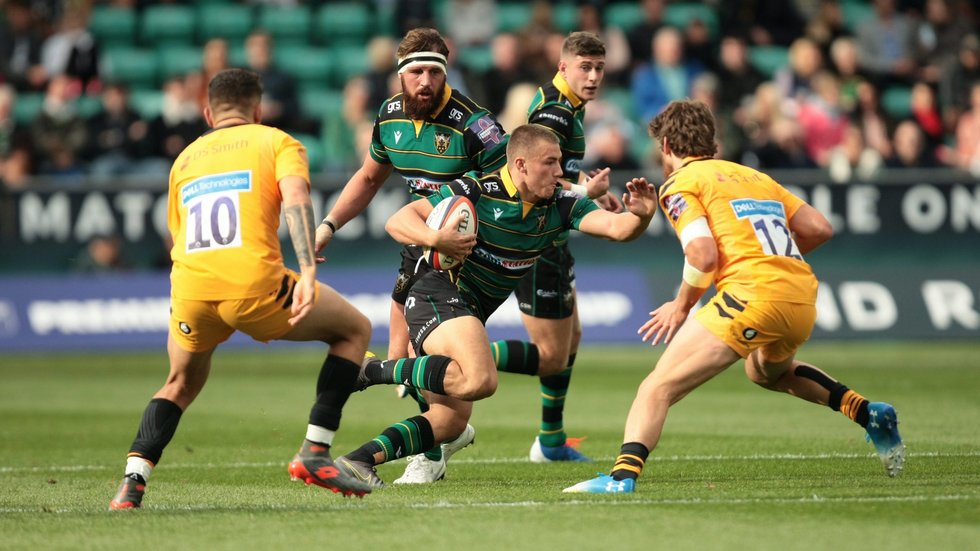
<point x="756" y="373"/>
<point x="551" y="361"/>
<point x="362" y="329"/>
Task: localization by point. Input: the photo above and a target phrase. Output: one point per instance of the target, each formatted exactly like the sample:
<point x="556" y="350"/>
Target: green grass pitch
<point x="738" y="467"/>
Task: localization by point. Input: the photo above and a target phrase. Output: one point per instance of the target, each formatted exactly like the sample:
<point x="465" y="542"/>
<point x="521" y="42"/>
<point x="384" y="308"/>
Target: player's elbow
<point x="702" y="253"/>
<point x="823" y="232"/>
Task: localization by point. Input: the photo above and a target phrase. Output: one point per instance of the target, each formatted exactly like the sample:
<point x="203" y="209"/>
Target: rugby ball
<point x="443" y="212"/>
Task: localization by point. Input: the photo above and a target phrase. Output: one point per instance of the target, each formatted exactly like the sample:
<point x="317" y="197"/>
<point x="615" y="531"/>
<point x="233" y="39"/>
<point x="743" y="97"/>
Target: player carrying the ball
<point x="520" y="212"/>
<point x="746" y="234"/>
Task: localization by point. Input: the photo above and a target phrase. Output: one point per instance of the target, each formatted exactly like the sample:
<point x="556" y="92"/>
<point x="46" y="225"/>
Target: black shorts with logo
<point x="548" y="289"/>
<point x="433" y="299"/>
<point x="410" y="271"/>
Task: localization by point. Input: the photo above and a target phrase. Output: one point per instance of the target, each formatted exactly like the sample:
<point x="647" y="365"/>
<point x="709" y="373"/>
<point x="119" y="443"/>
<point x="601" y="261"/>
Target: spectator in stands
<point x="15" y="143"/>
<point x="280" y="103"/>
<point x="641" y="36"/>
<point x="740" y="77"/>
<point x="533" y="38"/>
<point x="58" y="132"/>
<point x="805" y="60"/>
<point x="767" y="22"/>
<point x="617" y="47"/>
<point x="214" y="59"/>
<point x="887" y="45"/>
<point x="957" y="80"/>
<point x="20" y="48"/>
<point x="826" y="26"/>
<point x="782" y="149"/>
<point x="925" y="111"/>
<point x="939" y="36"/>
<point x="102" y="255"/>
<point x="115" y="135"/>
<point x="381" y="63"/>
<point x="822" y="119"/>
<point x="179" y="123"/>
<point x="72" y="50"/>
<point x="910" y="149"/>
<point x="967" y="155"/>
<point x="506" y="71"/>
<point x="514" y="112"/>
<point x="471" y="22"/>
<point x="668" y="78"/>
<point x="844" y="60"/>
<point x="608" y="146"/>
<point x="699" y="45"/>
<point x="413" y="14"/>
<point x="339" y="135"/>
<point x="852" y="158"/>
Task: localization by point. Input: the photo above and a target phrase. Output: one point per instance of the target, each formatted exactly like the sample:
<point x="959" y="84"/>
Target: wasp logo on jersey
<point x="442" y="142"/>
<point x="674" y="206"/>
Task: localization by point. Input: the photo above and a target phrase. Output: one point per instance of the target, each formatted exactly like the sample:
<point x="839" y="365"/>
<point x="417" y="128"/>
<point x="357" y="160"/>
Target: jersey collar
<point x="562" y="85"/>
<point x="508" y="181"/>
<point x="688" y="160"/>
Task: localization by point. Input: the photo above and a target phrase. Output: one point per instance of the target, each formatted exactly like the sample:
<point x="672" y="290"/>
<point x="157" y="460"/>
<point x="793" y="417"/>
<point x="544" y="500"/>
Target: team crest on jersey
<point x="675" y="205"/>
<point x="541" y="222"/>
<point x="442" y="142"/>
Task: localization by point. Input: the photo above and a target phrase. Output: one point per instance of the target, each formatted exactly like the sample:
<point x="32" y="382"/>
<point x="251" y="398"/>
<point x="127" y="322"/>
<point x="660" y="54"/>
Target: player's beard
<point x="419" y="109"/>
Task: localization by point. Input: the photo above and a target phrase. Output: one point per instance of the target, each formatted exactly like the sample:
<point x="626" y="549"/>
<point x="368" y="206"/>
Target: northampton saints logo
<point x="442" y="142"/>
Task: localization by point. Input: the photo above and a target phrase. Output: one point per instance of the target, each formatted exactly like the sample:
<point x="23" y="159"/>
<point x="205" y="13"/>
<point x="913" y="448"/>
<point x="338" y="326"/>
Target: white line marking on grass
<point x="618" y="500"/>
<point x="499" y="460"/>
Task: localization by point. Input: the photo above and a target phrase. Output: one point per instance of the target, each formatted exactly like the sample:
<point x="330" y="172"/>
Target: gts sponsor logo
<point x="422" y="183"/>
<point x="508" y="263"/>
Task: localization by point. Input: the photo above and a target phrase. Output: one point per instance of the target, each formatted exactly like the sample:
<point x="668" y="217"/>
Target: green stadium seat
<point x="478" y="59"/>
<point x="166" y="24"/>
<point x="136" y="67"/>
<point x="229" y="21"/>
<point x="148" y="103"/>
<point x="512" y="16"/>
<point x="314" y="149"/>
<point x="319" y="103"/>
<point x="286" y="25"/>
<point x="679" y="15"/>
<point x="856" y="13"/>
<point x="348" y="61"/>
<point x="896" y="101"/>
<point x="622" y="98"/>
<point x="27" y="107"/>
<point x="624" y="15"/>
<point x="768" y="59"/>
<point x="113" y="26"/>
<point x="343" y="23"/>
<point x="178" y="60"/>
<point x="309" y="65"/>
<point x="236" y="55"/>
<point x="88" y="106"/>
<point x="565" y="16"/>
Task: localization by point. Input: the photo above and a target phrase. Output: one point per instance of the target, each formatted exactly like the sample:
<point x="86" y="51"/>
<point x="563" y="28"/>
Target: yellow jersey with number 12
<point x="748" y="214"/>
<point x="223" y="211"/>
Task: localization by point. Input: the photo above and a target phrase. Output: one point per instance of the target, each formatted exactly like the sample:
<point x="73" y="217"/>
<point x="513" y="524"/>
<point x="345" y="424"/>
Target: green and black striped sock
<point x="425" y="372"/>
<point x="553" y="391"/>
<point x="515" y="357"/>
<point x="404" y="438"/>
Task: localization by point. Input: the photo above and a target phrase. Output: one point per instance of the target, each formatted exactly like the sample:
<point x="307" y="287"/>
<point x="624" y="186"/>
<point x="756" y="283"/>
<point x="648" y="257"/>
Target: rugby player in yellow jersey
<point x="746" y="234"/>
<point x="226" y="190"/>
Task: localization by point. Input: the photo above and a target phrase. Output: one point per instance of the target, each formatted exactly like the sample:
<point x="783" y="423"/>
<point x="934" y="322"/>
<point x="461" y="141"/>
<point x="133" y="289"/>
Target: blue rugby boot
<point x="567" y="452"/>
<point x="602" y="484"/>
<point x="883" y="433"/>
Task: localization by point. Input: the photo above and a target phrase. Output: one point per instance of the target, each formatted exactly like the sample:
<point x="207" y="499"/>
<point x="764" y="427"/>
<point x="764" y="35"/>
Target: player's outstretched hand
<point x="640" y="198"/>
<point x="450" y="242"/>
<point x="598" y="183"/>
<point x="323" y="236"/>
<point x="303" y="295"/>
<point x="664" y="323"/>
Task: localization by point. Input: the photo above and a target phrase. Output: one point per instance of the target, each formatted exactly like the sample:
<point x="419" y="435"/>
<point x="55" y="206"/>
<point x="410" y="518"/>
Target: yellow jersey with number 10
<point x="748" y="214"/>
<point x="223" y="211"/>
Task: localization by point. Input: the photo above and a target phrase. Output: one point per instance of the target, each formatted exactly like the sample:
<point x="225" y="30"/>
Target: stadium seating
<point x="896" y="101"/>
<point x="112" y="26"/>
<point x="136" y="67"/>
<point x="88" y="106"/>
<point x="178" y="60"/>
<point x="229" y="21"/>
<point x="314" y="149"/>
<point x="512" y="16"/>
<point x="478" y="59"/>
<point x="319" y="102"/>
<point x="27" y="106"/>
<point x="679" y="15"/>
<point x="287" y="25"/>
<point x="347" y="60"/>
<point x="309" y="65"/>
<point x="148" y="103"/>
<point x="565" y="17"/>
<point x="166" y="24"/>
<point x="624" y="15"/>
<point x="343" y="23"/>
<point x="855" y="13"/>
<point x="768" y="59"/>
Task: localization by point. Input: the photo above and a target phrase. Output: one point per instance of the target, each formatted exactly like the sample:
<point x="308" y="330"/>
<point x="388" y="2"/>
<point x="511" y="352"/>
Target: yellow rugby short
<point x="779" y="328"/>
<point x="199" y="325"/>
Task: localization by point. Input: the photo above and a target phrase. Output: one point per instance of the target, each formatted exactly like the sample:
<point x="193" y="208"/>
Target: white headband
<point x="421" y="58"/>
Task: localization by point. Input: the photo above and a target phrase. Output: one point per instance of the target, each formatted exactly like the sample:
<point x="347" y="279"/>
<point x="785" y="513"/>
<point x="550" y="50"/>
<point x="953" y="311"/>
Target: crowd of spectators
<point x="899" y="88"/>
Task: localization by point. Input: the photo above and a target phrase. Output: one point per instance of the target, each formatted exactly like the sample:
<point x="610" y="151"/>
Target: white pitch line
<point x="619" y="500"/>
<point x="501" y="460"/>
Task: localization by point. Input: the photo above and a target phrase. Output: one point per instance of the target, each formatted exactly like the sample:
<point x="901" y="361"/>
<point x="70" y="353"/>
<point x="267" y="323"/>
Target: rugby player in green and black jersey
<point x="521" y="212"/>
<point x="546" y="295"/>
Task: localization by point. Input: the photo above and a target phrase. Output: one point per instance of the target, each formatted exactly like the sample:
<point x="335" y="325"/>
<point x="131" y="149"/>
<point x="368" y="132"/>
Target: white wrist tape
<point x="330" y="222"/>
<point x="696" y="278"/>
<point x="580" y="190"/>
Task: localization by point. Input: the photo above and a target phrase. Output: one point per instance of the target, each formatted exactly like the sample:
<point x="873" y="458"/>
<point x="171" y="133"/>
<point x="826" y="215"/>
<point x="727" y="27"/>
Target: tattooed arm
<point x="298" y="208"/>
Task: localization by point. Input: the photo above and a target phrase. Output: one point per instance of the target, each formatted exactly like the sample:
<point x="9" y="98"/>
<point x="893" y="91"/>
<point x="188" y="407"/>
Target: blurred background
<point x="870" y="110"/>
